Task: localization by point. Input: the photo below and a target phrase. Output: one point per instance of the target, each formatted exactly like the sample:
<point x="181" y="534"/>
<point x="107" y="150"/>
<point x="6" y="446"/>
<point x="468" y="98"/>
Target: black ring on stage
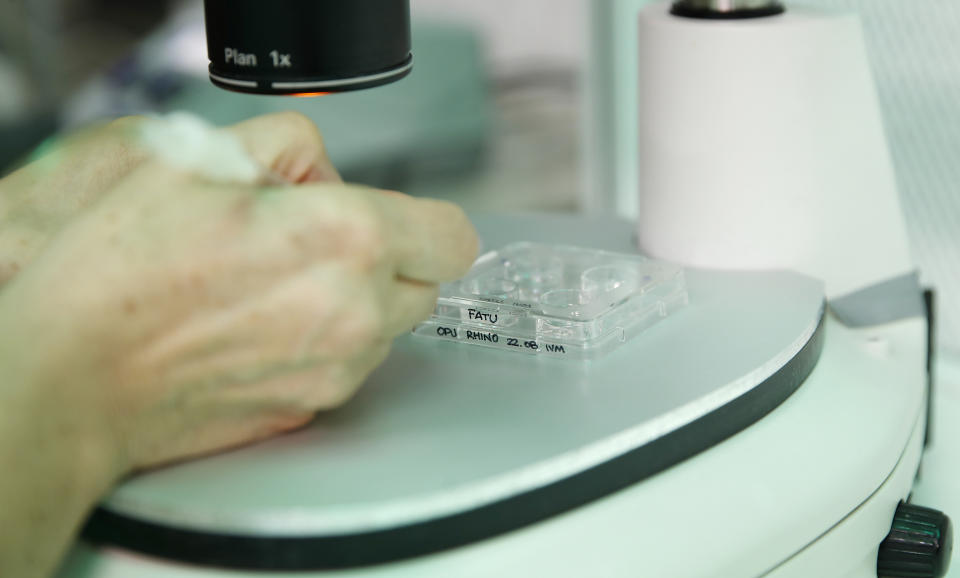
<point x="323" y="553"/>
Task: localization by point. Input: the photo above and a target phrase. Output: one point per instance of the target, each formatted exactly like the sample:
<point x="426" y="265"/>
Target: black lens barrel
<point x="307" y="46"/>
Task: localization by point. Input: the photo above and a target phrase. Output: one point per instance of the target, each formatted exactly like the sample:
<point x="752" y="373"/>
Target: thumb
<point x="290" y="145"/>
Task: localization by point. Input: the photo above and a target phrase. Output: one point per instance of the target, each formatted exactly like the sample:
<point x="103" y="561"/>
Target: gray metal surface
<point x="442" y="428"/>
<point x="892" y="300"/>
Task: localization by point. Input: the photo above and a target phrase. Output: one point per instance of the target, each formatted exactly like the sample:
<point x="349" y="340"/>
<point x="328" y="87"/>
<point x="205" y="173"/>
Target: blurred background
<point x="491" y="116"/>
<point x="492" y="103"/>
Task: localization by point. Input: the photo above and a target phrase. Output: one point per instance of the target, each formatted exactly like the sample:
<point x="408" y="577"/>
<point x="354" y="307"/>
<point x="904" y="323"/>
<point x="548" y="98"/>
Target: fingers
<point x="290" y="145"/>
<point x="423" y="240"/>
<point x="406" y="304"/>
<point x="433" y="241"/>
<point x="430" y="241"/>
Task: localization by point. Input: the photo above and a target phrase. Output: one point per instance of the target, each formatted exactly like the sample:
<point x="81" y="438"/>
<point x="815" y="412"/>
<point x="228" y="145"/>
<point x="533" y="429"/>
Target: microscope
<point x="773" y="427"/>
<point x="303" y="47"/>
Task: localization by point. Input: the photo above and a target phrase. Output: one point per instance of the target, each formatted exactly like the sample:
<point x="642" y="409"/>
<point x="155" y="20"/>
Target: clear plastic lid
<point x="555" y="300"/>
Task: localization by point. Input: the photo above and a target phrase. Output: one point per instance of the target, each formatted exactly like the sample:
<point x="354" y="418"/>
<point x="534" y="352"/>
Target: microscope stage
<point x="448" y="445"/>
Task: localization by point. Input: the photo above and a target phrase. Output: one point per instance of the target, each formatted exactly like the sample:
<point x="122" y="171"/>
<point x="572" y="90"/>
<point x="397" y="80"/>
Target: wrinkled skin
<point x="76" y="171"/>
<point x="149" y="316"/>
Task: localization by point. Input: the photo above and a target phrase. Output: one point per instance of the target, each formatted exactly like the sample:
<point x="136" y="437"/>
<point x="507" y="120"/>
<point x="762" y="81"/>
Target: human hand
<point x="162" y="317"/>
<point x="73" y="173"/>
<point x="176" y="317"/>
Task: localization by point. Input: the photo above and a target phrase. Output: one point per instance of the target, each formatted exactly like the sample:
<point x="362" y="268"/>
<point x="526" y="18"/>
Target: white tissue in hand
<point x="189" y="143"/>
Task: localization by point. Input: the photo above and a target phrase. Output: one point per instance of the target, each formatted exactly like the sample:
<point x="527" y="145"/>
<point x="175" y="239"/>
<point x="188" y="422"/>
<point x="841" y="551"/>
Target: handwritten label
<point x="482" y="336"/>
<point x="495" y="338"/>
<point x="477" y="315"/>
<point x="447" y="332"/>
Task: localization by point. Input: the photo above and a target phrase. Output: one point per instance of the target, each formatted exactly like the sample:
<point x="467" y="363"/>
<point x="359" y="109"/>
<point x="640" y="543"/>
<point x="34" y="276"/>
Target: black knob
<point x="919" y="544"/>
